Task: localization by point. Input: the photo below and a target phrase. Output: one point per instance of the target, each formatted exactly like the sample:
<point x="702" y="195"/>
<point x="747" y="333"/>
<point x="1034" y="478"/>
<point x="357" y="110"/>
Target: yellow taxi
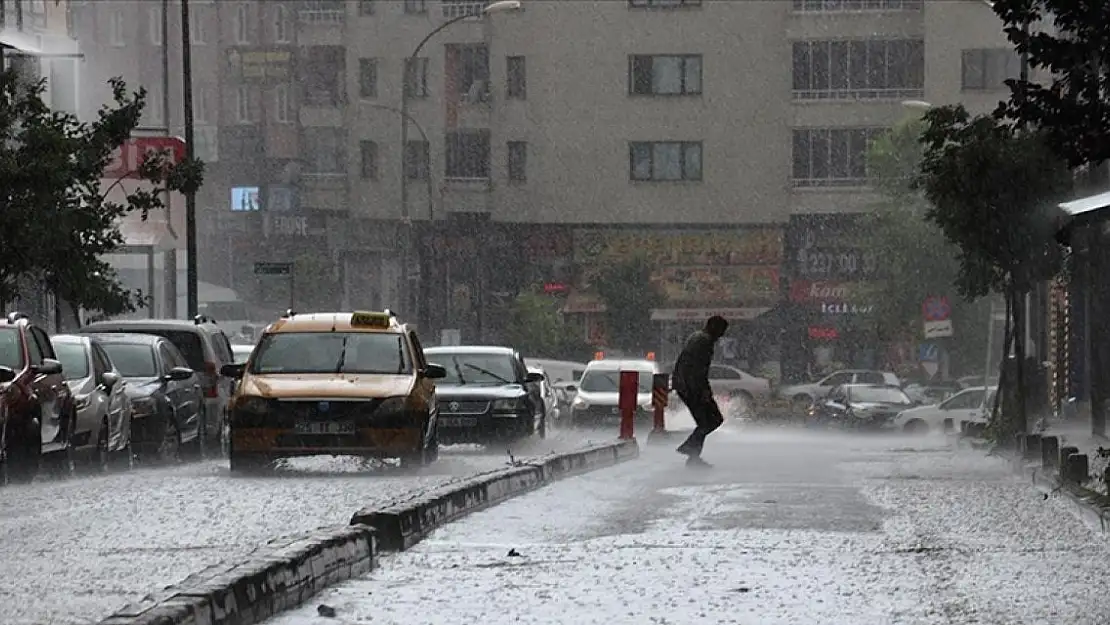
<point x="340" y="383"/>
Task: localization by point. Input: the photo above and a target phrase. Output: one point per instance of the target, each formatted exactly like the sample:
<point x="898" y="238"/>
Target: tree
<point x="991" y="191"/>
<point x="536" y="327"/>
<point x="1073" y="108"/>
<point x="919" y="261"/>
<point x="629" y="295"/>
<point x="56" y="221"/>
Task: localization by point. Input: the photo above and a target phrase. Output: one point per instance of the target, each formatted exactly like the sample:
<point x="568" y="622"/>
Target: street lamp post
<point x="191" y="276"/>
<point x="407" y="72"/>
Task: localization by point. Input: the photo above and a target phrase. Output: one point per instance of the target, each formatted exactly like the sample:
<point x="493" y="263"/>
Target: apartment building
<point x="725" y="140"/>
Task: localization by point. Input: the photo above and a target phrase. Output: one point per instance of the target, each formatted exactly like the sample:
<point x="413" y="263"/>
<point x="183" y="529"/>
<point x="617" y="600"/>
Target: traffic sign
<point x="936" y="309"/>
<point x="273" y="269"/>
<point x="928" y="352"/>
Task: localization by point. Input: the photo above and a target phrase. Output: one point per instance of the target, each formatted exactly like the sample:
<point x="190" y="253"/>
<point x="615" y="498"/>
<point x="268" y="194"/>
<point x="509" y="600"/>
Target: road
<point x="74" y="550"/>
<point x="789" y="527"/>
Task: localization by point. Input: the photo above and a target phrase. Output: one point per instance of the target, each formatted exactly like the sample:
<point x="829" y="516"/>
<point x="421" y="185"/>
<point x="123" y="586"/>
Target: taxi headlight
<point x="508" y="405"/>
<point x="253" y="405"/>
<point x="392" y="405"/>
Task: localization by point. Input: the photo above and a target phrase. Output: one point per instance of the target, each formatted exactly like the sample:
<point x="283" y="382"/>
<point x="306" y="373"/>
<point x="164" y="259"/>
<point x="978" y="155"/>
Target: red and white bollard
<point x="626" y="402"/>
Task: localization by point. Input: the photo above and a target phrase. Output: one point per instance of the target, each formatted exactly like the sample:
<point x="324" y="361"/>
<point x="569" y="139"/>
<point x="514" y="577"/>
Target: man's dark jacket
<point x="691" y="370"/>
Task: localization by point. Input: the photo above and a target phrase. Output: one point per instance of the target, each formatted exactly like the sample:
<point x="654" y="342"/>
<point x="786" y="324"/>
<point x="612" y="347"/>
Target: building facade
<point x="546" y="141"/>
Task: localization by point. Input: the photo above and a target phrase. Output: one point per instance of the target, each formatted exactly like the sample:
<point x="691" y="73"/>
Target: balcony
<point x="320" y="23"/>
<point x="458" y="8"/>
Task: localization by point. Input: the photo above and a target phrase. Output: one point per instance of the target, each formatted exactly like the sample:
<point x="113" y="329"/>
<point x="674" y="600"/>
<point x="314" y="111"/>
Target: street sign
<point x="273" y="269"/>
<point x="928" y="352"/>
<point x="126" y="159"/>
<point x="936" y="309"/>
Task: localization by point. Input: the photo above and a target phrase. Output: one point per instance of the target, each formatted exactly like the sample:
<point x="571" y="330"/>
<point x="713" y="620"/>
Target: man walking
<point x="690" y="380"/>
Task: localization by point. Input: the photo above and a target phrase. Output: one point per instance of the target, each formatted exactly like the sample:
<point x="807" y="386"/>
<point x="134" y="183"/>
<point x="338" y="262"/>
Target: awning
<point x="1080" y="211"/>
<point x="20" y="41"/>
<point x="40" y="44"/>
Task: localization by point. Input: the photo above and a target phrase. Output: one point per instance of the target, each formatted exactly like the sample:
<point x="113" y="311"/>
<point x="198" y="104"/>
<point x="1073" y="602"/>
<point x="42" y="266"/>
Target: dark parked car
<point x="488" y="395"/>
<point x="37" y="411"/>
<point x="206" y="349"/>
<point x="165" y="393"/>
<point x="860" y="406"/>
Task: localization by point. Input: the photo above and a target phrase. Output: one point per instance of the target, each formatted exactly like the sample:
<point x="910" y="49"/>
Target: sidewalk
<point x="1077" y="433"/>
<point x="789" y="527"/>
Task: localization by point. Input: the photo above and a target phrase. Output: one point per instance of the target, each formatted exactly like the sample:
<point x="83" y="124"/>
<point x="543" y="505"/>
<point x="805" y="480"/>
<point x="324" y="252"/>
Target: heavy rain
<point x="554" y="311"/>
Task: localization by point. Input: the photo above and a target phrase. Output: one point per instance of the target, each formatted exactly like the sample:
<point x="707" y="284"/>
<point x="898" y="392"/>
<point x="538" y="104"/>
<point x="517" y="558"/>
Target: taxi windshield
<point x="332" y="352"/>
<point x="609" y="381"/>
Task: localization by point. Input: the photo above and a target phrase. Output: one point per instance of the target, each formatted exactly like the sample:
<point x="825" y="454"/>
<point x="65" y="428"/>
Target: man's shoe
<point x="686" y="450"/>
<point x="695" y="462"/>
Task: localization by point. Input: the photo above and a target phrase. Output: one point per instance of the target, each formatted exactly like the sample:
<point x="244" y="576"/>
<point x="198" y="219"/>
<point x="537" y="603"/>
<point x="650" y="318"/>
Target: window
<point x="366" y="7"/>
<point x="665" y="160"/>
<point x="664" y="74"/>
<point x="989" y="69"/>
<point x="243" y="105"/>
<point x="468" y="154"/>
<point x="281" y="104"/>
<point x="116" y="30"/>
<point x="831" y="157"/>
<point x="518" y="161"/>
<point x="242" y="23"/>
<point x="281" y="24"/>
<point x="416" y="6"/>
<point x="861" y="68"/>
<point x="325" y="151"/>
<point x="369" y="151"/>
<point x="966" y="400"/>
<point x="516" y="78"/>
<point x="471" y="71"/>
<point x="838" y="378"/>
<point x="663" y="4"/>
<point x="838" y="6"/>
<point x="155" y="108"/>
<point x="154" y="23"/>
<point x="869" y="377"/>
<point x="416" y="77"/>
<point x="196" y="27"/>
<point x="200" y="103"/>
<point x="368" y="78"/>
<point x="417" y="160"/>
<point x="322" y="75"/>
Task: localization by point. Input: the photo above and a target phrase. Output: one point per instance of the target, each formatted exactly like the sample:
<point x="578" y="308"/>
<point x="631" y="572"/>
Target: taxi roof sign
<point x="366" y="319"/>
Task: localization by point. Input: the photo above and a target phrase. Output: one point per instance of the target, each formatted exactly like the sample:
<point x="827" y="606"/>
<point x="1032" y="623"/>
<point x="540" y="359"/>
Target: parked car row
<point x="112" y="391"/>
<point x="889" y="407"/>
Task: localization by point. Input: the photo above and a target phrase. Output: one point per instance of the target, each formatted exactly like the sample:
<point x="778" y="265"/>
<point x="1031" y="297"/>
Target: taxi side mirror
<point x="233" y="370"/>
<point x="434" y="372"/>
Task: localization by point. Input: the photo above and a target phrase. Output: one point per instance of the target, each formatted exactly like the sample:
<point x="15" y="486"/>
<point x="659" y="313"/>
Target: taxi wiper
<point x="342" y="356"/>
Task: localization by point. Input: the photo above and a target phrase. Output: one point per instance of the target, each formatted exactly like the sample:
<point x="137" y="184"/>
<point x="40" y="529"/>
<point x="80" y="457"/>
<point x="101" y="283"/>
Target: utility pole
<point x="171" y="298"/>
<point x="190" y="195"/>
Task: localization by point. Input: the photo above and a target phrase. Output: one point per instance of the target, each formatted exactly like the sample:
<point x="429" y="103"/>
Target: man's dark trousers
<point x="707" y="416"/>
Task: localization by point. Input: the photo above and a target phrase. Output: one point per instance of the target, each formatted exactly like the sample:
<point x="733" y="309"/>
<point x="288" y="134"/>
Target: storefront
<point x="699" y="272"/>
<point x="830" y="321"/>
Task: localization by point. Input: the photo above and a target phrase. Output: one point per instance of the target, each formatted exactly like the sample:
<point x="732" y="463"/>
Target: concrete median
<point x="281" y="575"/>
<point x="403" y="524"/>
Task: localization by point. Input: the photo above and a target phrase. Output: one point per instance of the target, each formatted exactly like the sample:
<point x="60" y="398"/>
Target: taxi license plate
<point x="325" y="427"/>
<point x="459" y="422"/>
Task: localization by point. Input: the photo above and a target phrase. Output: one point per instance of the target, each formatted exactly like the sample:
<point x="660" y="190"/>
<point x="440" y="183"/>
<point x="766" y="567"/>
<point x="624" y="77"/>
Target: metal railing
<point x="854" y="6"/>
<point x="323" y="12"/>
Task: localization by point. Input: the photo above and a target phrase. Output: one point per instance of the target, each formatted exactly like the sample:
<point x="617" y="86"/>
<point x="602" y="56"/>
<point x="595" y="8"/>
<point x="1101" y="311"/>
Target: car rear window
<point x="187" y="343"/>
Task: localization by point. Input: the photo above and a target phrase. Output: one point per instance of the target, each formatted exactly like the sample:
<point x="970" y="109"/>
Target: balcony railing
<point x="853" y="6"/>
<point x="322" y="12"/>
<point x="462" y="8"/>
<point x="834" y="95"/>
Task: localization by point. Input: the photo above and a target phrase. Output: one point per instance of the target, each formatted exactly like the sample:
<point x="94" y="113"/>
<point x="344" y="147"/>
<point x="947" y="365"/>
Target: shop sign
<point x="701" y="314"/>
<point x="845" y="309"/>
<point x="823" y="334"/>
<point x="259" y="65"/>
<point x="707" y="285"/>
<point x="691" y="248"/>
<point x="825" y="291"/>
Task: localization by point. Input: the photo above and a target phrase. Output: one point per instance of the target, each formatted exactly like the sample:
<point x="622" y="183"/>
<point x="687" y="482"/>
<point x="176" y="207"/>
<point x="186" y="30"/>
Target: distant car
<point x="37" y="410"/>
<point x="969" y="404"/>
<point x="932" y="392"/>
<point x="206" y="349"/>
<point x="736" y="385"/>
<point x="240" y="353"/>
<point x="548" y="396"/>
<point x="598" y="392"/>
<point x="165" y="394"/>
<point x="860" y="406"/>
<point x="801" y="395"/>
<point x="561" y="374"/>
<point x="103" y="406"/>
<point x="487" y="396"/>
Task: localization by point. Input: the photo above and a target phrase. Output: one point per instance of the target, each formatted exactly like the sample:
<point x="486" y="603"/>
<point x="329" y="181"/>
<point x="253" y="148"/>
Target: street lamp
<point x="501" y="6"/>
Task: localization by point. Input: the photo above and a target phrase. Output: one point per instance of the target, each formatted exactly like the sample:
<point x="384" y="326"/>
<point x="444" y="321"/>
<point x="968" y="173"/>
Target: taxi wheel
<point x="432" y="454"/>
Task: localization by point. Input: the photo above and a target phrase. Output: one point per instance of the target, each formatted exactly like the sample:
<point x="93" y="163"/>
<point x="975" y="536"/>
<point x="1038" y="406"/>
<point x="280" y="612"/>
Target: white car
<point x="806" y="394"/>
<point x="548" y="395"/>
<point x="597" y="393"/>
<point x="737" y="388"/>
<point x="970" y="404"/>
<point x="241" y="352"/>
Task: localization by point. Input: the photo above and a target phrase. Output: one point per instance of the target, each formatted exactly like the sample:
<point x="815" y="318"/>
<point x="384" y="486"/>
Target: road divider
<point x="401" y="525"/>
<point x="283" y="574"/>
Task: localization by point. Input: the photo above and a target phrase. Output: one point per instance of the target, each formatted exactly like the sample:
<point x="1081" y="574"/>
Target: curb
<point x="283" y="574"/>
<point x="403" y="524"/>
<point x="1083" y="502"/>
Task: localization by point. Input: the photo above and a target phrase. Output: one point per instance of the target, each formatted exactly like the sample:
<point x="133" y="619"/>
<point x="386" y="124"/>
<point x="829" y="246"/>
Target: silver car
<point x="103" y="407"/>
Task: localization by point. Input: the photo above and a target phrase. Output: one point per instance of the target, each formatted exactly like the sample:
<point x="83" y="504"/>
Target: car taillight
<point x="212" y="378"/>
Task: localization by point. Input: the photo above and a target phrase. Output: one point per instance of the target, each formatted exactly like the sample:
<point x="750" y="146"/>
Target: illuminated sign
<point x="245" y="199"/>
